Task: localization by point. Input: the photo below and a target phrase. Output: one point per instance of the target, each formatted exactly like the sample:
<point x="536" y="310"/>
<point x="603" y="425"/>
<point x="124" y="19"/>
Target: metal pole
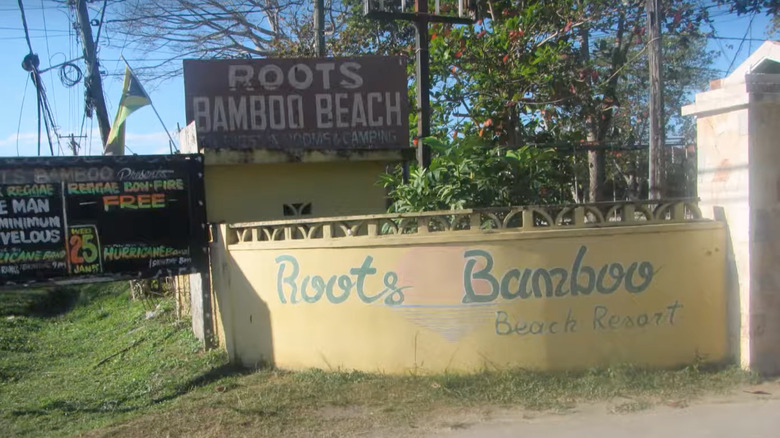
<point x="423" y="85"/>
<point x="319" y="24"/>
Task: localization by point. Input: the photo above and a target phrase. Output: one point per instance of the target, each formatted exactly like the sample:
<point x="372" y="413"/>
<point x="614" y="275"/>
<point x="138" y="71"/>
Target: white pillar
<point x="738" y="138"/>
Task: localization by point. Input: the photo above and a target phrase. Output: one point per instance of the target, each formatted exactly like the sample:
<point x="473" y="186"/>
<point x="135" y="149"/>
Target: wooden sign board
<point x="304" y="103"/>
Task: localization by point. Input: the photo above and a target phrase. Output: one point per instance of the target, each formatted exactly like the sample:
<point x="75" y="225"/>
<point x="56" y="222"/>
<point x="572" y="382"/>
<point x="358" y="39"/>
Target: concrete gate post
<point x="738" y="122"/>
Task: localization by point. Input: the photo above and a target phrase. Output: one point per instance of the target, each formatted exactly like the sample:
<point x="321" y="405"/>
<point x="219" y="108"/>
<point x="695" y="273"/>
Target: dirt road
<point x="752" y="413"/>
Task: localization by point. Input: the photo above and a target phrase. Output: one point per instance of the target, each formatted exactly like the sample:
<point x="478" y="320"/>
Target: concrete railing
<point x="525" y="218"/>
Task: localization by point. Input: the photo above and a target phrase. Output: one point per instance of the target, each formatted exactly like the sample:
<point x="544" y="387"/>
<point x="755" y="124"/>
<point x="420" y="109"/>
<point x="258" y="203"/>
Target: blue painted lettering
<point x="517" y="283"/>
<point x="484" y="274"/>
<point x="506" y="325"/>
<point x="604" y="319"/>
<point x="337" y="288"/>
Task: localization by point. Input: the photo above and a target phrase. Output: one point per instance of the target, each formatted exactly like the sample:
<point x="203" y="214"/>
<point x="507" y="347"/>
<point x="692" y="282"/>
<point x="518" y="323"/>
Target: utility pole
<point x="92" y="80"/>
<point x="656" y="156"/>
<point x="596" y="162"/>
<point x="319" y="27"/>
<point x="395" y="10"/>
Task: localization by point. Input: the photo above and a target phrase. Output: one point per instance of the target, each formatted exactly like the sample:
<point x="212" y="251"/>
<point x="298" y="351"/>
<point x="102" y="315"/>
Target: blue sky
<point x="55" y="41"/>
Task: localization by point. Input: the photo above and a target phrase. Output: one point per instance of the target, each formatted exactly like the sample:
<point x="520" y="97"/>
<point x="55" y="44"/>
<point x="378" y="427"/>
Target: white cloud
<point x="149" y="143"/>
<point x="27" y="142"/>
<point x="141" y="144"/>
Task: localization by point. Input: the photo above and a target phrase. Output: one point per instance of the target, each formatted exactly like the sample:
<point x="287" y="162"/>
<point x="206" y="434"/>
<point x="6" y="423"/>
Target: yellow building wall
<point x="256" y="192"/>
<point x="650" y="295"/>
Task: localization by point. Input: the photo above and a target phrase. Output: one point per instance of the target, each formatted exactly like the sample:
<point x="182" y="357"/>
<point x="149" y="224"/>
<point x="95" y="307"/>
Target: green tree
<point x="565" y="71"/>
<point x="472" y="172"/>
<point x="528" y="72"/>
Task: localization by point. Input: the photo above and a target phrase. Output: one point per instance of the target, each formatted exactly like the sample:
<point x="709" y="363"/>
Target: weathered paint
<point x="298" y="103"/>
<point x="250" y="192"/>
<point x="562" y="299"/>
<point x="723" y="188"/>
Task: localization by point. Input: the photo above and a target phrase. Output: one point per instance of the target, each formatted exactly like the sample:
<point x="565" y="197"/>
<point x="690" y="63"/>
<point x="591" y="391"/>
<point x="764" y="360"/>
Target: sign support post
<point x="423" y="85"/>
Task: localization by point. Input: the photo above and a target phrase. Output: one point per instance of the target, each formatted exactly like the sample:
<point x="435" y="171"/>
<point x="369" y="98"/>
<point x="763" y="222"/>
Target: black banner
<point x="82" y="218"/>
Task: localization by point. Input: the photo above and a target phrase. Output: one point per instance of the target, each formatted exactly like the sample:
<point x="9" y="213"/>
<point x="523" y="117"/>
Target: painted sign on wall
<point x="321" y="103"/>
<point x="650" y="295"/>
<point x="82" y="217"/>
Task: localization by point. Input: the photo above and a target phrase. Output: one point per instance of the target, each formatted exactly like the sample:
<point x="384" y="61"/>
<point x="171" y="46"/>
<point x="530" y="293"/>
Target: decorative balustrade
<point x="526" y="218"/>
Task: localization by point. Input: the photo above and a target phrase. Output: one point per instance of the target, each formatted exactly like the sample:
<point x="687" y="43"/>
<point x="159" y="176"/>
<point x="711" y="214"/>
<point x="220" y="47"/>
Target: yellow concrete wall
<point x="449" y="301"/>
<point x="255" y="192"/>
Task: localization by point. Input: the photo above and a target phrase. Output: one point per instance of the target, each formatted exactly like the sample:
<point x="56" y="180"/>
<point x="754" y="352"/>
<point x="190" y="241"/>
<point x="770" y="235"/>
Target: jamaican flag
<point x="133" y="97"/>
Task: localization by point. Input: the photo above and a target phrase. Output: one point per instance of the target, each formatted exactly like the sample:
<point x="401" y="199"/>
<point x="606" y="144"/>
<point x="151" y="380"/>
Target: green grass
<point x="52" y="342"/>
<point x="87" y="361"/>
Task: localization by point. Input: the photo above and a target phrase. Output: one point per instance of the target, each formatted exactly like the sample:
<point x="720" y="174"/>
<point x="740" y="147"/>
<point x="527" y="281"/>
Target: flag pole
<point x="170" y="139"/>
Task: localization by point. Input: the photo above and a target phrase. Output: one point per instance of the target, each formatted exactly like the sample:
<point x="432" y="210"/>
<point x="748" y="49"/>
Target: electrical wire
<point x="750" y="40"/>
<point x="75" y="93"/>
<point x="183" y="15"/>
<point x="38" y="95"/>
<point x="739" y="49"/>
<point x="44" y="112"/>
<point x="12" y="9"/>
<point x="21" y="111"/>
<point x="66" y="79"/>
<point x="91" y="134"/>
<point x="33" y="68"/>
<point x="24" y="23"/>
<point x="48" y="55"/>
<point x="100" y="26"/>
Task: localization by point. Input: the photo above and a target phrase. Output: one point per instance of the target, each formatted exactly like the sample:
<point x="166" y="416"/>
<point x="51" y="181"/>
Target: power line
<point x="30" y="64"/>
<point x="48" y="118"/>
<point x="14" y="38"/>
<point x="102" y="20"/>
<point x="48" y="53"/>
<point x="31" y="29"/>
<point x="21" y="111"/>
<point x="38" y="95"/>
<point x="24" y="23"/>
<point x="12" y="9"/>
<point x="91" y="136"/>
<point x="713" y="37"/>
<point x="739" y="49"/>
<point x="750" y="43"/>
<point x="183" y="15"/>
<point x="75" y="96"/>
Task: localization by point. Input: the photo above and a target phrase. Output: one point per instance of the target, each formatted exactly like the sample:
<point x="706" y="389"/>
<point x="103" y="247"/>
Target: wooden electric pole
<point x="421" y="17"/>
<point x="656" y="156"/>
<point x="92" y="80"/>
<point x="319" y="27"/>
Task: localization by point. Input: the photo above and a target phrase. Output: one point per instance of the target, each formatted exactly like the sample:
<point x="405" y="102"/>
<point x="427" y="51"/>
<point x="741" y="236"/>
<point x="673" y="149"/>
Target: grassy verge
<point x="76" y="359"/>
<point x="89" y="362"/>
